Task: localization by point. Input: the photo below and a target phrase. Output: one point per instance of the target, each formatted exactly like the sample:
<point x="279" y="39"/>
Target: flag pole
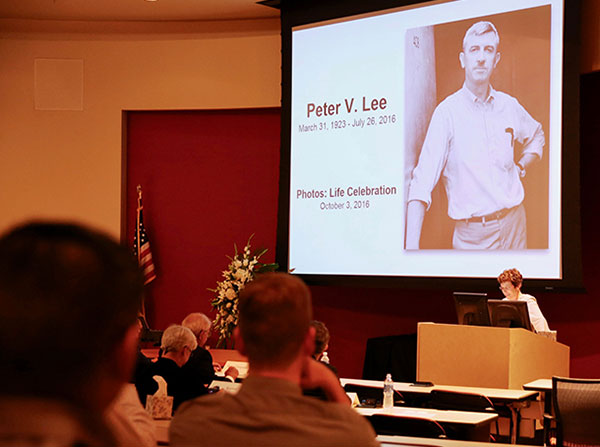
<point x="139" y="245"/>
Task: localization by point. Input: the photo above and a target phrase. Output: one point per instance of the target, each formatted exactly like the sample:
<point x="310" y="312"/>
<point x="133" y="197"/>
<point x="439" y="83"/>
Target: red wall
<point x="211" y="179"/>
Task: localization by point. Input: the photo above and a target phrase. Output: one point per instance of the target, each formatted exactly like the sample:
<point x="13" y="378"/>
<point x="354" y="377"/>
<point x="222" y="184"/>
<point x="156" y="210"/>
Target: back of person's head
<point x="177" y="337"/>
<point x="321" y="336"/>
<point x="197" y="322"/>
<point x="68" y="297"/>
<point x="480" y="28"/>
<point x="274" y="316"/>
<point x="511" y="275"/>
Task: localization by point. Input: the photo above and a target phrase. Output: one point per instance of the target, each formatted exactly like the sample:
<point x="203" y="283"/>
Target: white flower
<point x="240" y="271"/>
<point x="230" y="293"/>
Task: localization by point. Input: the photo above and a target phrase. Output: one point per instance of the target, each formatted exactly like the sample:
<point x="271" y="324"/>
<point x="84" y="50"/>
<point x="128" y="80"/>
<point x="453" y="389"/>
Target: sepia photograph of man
<point x="482" y="142"/>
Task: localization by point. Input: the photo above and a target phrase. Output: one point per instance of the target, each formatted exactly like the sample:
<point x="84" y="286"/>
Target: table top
<point x="539" y="385"/>
<point x="440" y="416"/>
<point x="162" y="431"/>
<point x="407" y="441"/>
<point x="494" y="394"/>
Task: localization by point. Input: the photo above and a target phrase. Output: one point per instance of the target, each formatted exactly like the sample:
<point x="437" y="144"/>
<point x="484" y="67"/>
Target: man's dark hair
<point x="274" y="316"/>
<point x="321" y="336"/>
<point x="67" y="297"/>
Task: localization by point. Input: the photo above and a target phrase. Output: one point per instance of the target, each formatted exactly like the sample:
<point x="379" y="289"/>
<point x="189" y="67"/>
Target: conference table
<point x="541" y="385"/>
<point x="470" y="425"/>
<point x="406" y="441"/>
<point x="544" y="387"/>
<point x="512" y="399"/>
<point x="477" y="424"/>
<point x="162" y="432"/>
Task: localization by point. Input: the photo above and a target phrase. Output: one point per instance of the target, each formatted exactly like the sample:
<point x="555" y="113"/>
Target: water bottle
<point x="388" y="392"/>
<point x="325" y="358"/>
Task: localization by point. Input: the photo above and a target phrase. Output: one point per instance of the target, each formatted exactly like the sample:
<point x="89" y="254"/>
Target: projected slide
<point x="425" y="141"/>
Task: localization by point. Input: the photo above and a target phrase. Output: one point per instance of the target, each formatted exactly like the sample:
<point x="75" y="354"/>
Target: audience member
<point x="177" y="344"/>
<point x="322" y="338"/>
<point x="129" y="422"/>
<point x="200" y="364"/>
<point x="68" y="333"/>
<point x="142" y="377"/>
<point x="274" y="333"/>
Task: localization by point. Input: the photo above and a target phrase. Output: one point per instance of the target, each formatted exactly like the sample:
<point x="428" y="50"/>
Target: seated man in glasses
<point x="200" y="363"/>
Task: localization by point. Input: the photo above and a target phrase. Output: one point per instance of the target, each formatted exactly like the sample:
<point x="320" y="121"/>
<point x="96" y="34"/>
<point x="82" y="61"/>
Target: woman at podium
<point x="510" y="282"/>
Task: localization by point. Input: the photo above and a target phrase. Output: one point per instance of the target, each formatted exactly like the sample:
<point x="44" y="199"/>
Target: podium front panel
<point x="488" y="357"/>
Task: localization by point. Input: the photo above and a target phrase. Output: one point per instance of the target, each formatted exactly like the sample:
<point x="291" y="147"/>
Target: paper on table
<point x="230" y="387"/>
<point x="242" y="368"/>
<point x="355" y="402"/>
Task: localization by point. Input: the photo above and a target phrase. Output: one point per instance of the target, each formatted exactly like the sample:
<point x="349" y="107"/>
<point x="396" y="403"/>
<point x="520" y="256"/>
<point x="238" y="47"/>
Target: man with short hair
<point x="69" y="298"/>
<point x="200" y="364"/>
<point x="470" y="144"/>
<point x="321" y="338"/>
<point x="274" y="333"/>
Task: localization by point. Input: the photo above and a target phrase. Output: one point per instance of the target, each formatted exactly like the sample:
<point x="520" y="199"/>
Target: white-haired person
<point x="177" y="344"/>
<point x="200" y="363"/>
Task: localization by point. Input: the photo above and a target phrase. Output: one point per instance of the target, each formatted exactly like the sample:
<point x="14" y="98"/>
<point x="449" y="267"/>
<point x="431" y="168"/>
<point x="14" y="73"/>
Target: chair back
<point x="371" y="395"/>
<point x="576" y="405"/>
<point x="451" y="400"/>
<point x="406" y="426"/>
<point x="394" y="354"/>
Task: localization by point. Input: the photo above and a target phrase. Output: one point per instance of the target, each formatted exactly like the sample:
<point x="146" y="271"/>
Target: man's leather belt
<point x="489" y="217"/>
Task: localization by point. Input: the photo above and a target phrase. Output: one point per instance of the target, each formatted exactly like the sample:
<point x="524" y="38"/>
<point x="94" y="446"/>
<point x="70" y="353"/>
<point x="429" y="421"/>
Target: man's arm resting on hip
<point x="527" y="159"/>
<point x="415" y="214"/>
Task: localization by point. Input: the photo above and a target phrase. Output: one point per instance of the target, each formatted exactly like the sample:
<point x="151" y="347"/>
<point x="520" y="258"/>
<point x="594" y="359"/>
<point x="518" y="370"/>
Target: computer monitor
<point x="507" y="313"/>
<point x="471" y="308"/>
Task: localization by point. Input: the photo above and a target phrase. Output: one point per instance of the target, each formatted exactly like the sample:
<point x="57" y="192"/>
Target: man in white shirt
<point x="510" y="284"/>
<point x="470" y="145"/>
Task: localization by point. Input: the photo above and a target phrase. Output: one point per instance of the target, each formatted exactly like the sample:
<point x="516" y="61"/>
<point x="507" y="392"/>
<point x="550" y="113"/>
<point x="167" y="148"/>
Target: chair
<point x="395" y="354"/>
<point x="371" y="395"/>
<point x="576" y="404"/>
<point x="406" y="426"/>
<point x="149" y="335"/>
<point x="452" y="400"/>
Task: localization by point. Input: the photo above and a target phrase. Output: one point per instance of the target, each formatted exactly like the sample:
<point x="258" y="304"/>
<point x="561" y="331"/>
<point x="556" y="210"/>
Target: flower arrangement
<point x="241" y="270"/>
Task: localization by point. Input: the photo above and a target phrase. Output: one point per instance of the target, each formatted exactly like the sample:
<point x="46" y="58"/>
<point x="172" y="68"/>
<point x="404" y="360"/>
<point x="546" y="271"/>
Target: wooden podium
<point x="489" y="357"/>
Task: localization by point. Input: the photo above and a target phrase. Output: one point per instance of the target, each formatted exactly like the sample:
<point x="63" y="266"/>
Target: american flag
<point x="141" y="245"/>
